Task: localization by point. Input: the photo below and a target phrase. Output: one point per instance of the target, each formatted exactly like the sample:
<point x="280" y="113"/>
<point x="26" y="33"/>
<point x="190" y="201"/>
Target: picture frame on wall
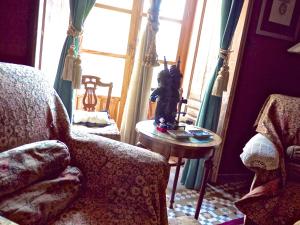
<point x="279" y="19"/>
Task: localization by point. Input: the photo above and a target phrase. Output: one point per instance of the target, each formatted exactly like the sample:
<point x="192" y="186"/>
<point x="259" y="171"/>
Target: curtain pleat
<point x="210" y="107"/>
<point x="139" y="88"/>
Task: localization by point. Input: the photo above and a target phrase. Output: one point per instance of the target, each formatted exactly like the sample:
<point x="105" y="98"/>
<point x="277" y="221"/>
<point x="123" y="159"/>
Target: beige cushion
<point x="101" y="118"/>
<point x="260" y="152"/>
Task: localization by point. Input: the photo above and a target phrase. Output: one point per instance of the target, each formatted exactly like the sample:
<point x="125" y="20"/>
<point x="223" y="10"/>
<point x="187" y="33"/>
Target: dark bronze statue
<point x="167" y="95"/>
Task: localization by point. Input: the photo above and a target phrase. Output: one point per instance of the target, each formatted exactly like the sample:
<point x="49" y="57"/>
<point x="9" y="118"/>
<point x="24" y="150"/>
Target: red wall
<point x="18" y="20"/>
<point x="266" y="68"/>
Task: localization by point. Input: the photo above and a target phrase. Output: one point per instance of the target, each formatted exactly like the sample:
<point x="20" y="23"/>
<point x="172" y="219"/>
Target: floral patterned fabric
<point x="273" y="199"/>
<point x="25" y="112"/>
<point x="117" y="175"/>
<point x="40" y="202"/>
<point x="122" y="174"/>
<point x="280" y="208"/>
<point x="30" y="163"/>
<point x="279" y="121"/>
<point x="89" y="210"/>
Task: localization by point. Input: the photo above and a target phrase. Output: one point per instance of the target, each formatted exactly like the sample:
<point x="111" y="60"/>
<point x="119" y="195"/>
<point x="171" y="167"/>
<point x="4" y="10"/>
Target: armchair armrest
<point x="121" y="173"/>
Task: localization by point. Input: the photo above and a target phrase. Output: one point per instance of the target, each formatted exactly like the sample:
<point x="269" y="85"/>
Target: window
<point x="203" y="55"/>
<point x="110" y="37"/>
<point x="53" y="25"/>
<point x="111" y="33"/>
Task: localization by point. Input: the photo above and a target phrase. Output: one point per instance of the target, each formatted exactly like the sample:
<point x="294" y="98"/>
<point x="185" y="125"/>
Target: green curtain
<point x="210" y="108"/>
<point x="79" y="9"/>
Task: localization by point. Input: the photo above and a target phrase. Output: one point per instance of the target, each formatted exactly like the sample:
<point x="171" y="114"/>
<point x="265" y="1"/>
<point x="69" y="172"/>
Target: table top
<point x="188" y="147"/>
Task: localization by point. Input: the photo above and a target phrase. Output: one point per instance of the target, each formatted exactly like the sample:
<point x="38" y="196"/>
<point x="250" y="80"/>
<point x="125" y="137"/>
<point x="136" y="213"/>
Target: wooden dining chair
<point x="90" y="98"/>
<point x="90" y="101"/>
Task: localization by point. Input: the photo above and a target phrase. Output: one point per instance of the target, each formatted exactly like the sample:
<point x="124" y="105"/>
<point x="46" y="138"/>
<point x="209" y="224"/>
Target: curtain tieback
<point x="221" y="81"/>
<point x="151" y="57"/>
<point x="73" y="32"/>
<point x="72" y="67"/>
<point x="224" y="54"/>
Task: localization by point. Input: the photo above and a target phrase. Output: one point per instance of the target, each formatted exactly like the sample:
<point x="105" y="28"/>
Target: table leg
<point x="207" y="167"/>
<point x="175" y="182"/>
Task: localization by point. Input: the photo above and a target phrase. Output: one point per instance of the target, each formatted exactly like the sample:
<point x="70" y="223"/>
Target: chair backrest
<point x="90" y="85"/>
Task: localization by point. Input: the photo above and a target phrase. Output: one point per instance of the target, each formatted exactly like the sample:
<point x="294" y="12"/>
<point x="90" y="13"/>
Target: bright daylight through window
<point x="111" y="36"/>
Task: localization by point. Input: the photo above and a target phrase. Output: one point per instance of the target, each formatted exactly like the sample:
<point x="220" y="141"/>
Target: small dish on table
<point x="179" y="134"/>
<point x="200" y="134"/>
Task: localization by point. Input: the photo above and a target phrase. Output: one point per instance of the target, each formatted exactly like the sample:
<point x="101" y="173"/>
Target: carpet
<point x="217" y="207"/>
<point x="183" y="220"/>
<point x="187" y="220"/>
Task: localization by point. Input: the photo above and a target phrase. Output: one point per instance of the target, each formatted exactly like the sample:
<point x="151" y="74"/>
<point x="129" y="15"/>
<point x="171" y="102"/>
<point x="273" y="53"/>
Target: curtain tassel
<point x="77" y="72"/>
<point x="218" y="86"/>
<point x="68" y="65"/>
<point x="221" y="81"/>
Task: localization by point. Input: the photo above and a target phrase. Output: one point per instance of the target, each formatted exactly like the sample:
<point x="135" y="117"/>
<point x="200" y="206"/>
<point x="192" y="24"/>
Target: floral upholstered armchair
<point x="274" y="155"/>
<point x="51" y="175"/>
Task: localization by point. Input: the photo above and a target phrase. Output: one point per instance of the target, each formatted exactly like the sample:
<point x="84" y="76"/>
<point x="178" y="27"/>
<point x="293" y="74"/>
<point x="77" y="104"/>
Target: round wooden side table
<point x="190" y="148"/>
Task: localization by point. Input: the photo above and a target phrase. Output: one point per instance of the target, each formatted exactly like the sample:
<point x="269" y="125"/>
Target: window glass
<point x="169" y="8"/>
<point x="208" y="49"/>
<point x="166" y="44"/>
<point x="156" y="70"/>
<point x="168" y="40"/>
<point x="126" y="4"/>
<point x="110" y="69"/>
<point x="54" y="36"/>
<point x="106" y="31"/>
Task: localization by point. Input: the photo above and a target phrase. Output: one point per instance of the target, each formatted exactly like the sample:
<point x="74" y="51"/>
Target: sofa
<point x="274" y="155"/>
<point x="108" y="182"/>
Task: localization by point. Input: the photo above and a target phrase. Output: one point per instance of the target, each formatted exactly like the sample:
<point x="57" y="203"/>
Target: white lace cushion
<point x="260" y="152"/>
<point x="90" y="117"/>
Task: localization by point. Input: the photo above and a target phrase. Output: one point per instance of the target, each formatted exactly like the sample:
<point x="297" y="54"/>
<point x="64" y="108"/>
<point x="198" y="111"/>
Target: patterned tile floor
<point x="217" y="206"/>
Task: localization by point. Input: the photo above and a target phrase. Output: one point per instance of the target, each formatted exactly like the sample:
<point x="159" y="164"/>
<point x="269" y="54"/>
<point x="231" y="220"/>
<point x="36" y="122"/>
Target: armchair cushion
<point x="260" y="152"/>
<point x="42" y="201"/>
<point x="30" y="163"/>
